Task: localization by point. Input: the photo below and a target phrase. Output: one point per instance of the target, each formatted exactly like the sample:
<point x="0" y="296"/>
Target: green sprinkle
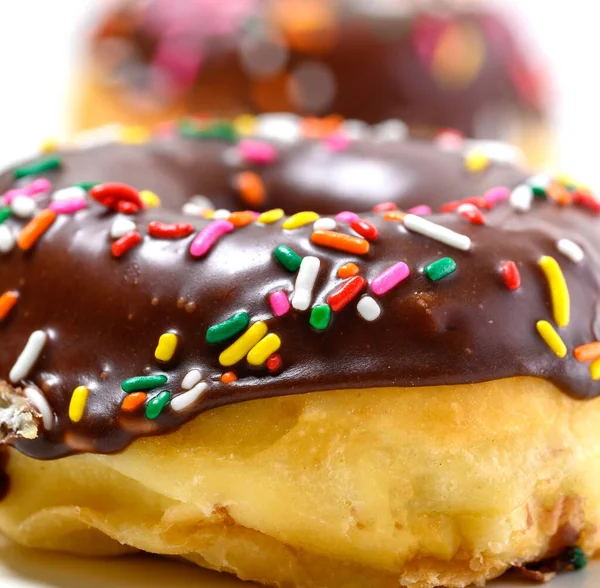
<point x="4" y="213"/>
<point x="217" y="130"/>
<point x="227" y="329"/>
<point x="320" y="317"/>
<point x="538" y="191"/>
<point x="157" y="404"/>
<point x="138" y="383"/>
<point x="575" y="557"/>
<point x="288" y="258"/>
<point x="87" y="186"/>
<point x="440" y="269"/>
<point x="38" y="167"/>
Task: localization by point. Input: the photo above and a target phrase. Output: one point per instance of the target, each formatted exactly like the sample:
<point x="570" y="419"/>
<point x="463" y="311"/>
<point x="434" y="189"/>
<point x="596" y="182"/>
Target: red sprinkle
<point x="274" y="362"/>
<point x="471" y="213"/>
<point x="116" y="196"/>
<point x="125" y="207"/>
<point x="510" y="274"/>
<point x="384" y="207"/>
<point x="121" y="246"/>
<point x="451" y="206"/>
<point x="345" y="293"/>
<point x="586" y="200"/>
<point x="160" y="230"/>
<point x="478" y="201"/>
<point x="365" y="229"/>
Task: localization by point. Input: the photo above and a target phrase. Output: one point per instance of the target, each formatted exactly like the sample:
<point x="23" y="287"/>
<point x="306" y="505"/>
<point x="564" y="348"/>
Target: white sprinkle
<point x="420" y="225"/>
<point x="521" y="198"/>
<point x="184" y="400"/>
<point x="232" y="157"/>
<point x="390" y="130"/>
<point x="103" y="135"/>
<point x="41" y="404"/>
<point x="191" y="209"/>
<point x="368" y="308"/>
<point x="121" y="226"/>
<point x="222" y="214"/>
<point x="191" y="379"/>
<point x="28" y="356"/>
<point x="279" y="127"/>
<point x="497" y="150"/>
<point x="355" y="129"/>
<point x="7" y="239"/>
<point x="202" y="201"/>
<point x="541" y="180"/>
<point x="305" y="281"/>
<point x="571" y="250"/>
<point x="325" y="224"/>
<point x="72" y="193"/>
<point x="23" y="206"/>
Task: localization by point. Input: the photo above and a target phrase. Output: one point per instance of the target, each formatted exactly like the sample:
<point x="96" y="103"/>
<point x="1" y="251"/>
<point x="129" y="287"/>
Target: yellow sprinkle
<point x="476" y="160"/>
<point x="239" y="348"/>
<point x="271" y="216"/>
<point x="167" y="343"/>
<point x="207" y="213"/>
<point x="150" y="199"/>
<point x="551" y="337"/>
<point x="77" y="405"/>
<point x="134" y="135"/>
<point x="245" y="124"/>
<point x="263" y="349"/>
<point x="49" y="145"/>
<point x="595" y="369"/>
<point x="558" y="290"/>
<point x="300" y="219"/>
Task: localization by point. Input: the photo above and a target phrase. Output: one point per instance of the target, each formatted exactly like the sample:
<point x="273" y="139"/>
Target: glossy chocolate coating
<point x="104" y="316"/>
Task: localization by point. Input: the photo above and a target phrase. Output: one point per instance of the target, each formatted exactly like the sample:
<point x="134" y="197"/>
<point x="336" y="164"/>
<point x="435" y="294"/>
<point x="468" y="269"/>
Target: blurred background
<point x="39" y="57"/>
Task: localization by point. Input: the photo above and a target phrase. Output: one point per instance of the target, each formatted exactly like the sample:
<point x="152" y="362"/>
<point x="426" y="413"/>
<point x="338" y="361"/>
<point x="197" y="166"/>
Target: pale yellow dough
<point x="414" y="487"/>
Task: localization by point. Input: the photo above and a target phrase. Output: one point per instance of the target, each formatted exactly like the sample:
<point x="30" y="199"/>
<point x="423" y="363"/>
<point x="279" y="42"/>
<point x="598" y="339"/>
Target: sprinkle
<point x="128" y="241"/>
<point x="559" y="194"/>
<point x="471" y="213"/>
<point x="440" y="269"/>
<point x="245" y="124"/>
<point x="228" y="328"/>
<point x="257" y="152"/>
<point x="242" y="218"/>
<point x="348" y="270"/>
<point x="7" y="239"/>
<point x="476" y="160"/>
<point x="368" y="308"/>
<point x="150" y="199"/>
<point x="193" y="209"/>
<point x="5" y="212"/>
<point x="87" y="186"/>
<point x="437" y="232"/>
<point x="510" y="275"/>
<point x="279" y="303"/>
<point x="30" y="354"/>
<point x="8" y="300"/>
<point x="287" y="257"/>
<point x="120" y="227"/>
<point x="239" y="349"/>
<point x="188" y="398"/>
<point x="587" y="352"/>
<point x="23" y="206"/>
<point x="167" y="344"/>
<point x="271" y="216"/>
<point x="346" y="216"/>
<point x="521" y="198"/>
<point x="138" y="383"/>
<point x="365" y="229"/>
<point x="41" y="404"/>
<point x="595" y="370"/>
<point x="274" y="362"/>
<point x="570" y="249"/>
<point x="385" y="207"/>
<point x="264" y="349"/>
<point x="68" y="206"/>
<point x="251" y="189"/>
<point x="495" y="195"/>
<point x="228" y="377"/>
<point x="420" y="210"/>
<point x="77" y="404"/>
<point x="133" y="401"/>
<point x="324" y="224"/>
<point x="450" y="206"/>
<point x="117" y="196"/>
<point x="551" y="338"/>
<point x="320" y="316"/>
<point x="558" y="290"/>
<point x="390" y="130"/>
<point x="341" y="242"/>
<point x="49" y="145"/>
<point x="35" y="228"/>
<point x="344" y="294"/>
<point x="336" y="142"/>
<point x="191" y="379"/>
<point x="300" y="219"/>
<point x="39" y="186"/>
<point x="390" y="278"/>
<point x="160" y="230"/>
<point x="134" y="135"/>
<point x="586" y="200"/>
<point x="157" y="404"/>
<point x="305" y="281"/>
<point x="394" y="215"/>
<point x="221" y="214"/>
<point x="38" y="167"/>
<point x="208" y="236"/>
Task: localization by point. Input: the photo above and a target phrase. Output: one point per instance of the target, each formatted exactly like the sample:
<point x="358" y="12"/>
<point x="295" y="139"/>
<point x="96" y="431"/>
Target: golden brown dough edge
<point x="414" y="487"/>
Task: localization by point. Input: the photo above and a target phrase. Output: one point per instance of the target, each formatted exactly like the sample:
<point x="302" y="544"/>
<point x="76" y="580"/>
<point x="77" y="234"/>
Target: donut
<point x="393" y="384"/>
<point x="449" y="64"/>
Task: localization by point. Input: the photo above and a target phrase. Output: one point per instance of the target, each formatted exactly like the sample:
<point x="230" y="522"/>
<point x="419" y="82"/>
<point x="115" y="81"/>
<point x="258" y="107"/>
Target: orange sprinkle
<point x="341" y="242"/>
<point x="241" y="218"/>
<point x="7" y="302"/>
<point x="394" y="215"/>
<point x="133" y="401"/>
<point x="559" y="194"/>
<point x="251" y="188"/>
<point x="587" y="352"/>
<point x="348" y="270"/>
<point x="228" y="377"/>
<point x="319" y="128"/>
<point x="35" y="228"/>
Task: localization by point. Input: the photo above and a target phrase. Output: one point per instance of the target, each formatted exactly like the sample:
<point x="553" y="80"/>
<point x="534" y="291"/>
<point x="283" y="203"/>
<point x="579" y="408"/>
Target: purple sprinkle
<point x="498" y="194"/>
<point x="208" y="236"/>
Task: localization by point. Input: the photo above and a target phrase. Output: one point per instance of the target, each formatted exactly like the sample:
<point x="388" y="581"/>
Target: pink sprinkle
<point x="336" y="142"/>
<point x="36" y="187"/>
<point x="257" y="152"/>
<point x="495" y="195"/>
<point x="346" y="216"/>
<point x="208" y="236"/>
<point x="279" y="303"/>
<point x="68" y="206"/>
<point x="421" y="210"/>
<point x="389" y="278"/>
<point x="384" y="207"/>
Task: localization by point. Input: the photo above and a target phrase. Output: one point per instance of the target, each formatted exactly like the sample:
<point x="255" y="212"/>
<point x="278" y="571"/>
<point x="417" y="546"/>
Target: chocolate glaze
<point x="103" y="316"/>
